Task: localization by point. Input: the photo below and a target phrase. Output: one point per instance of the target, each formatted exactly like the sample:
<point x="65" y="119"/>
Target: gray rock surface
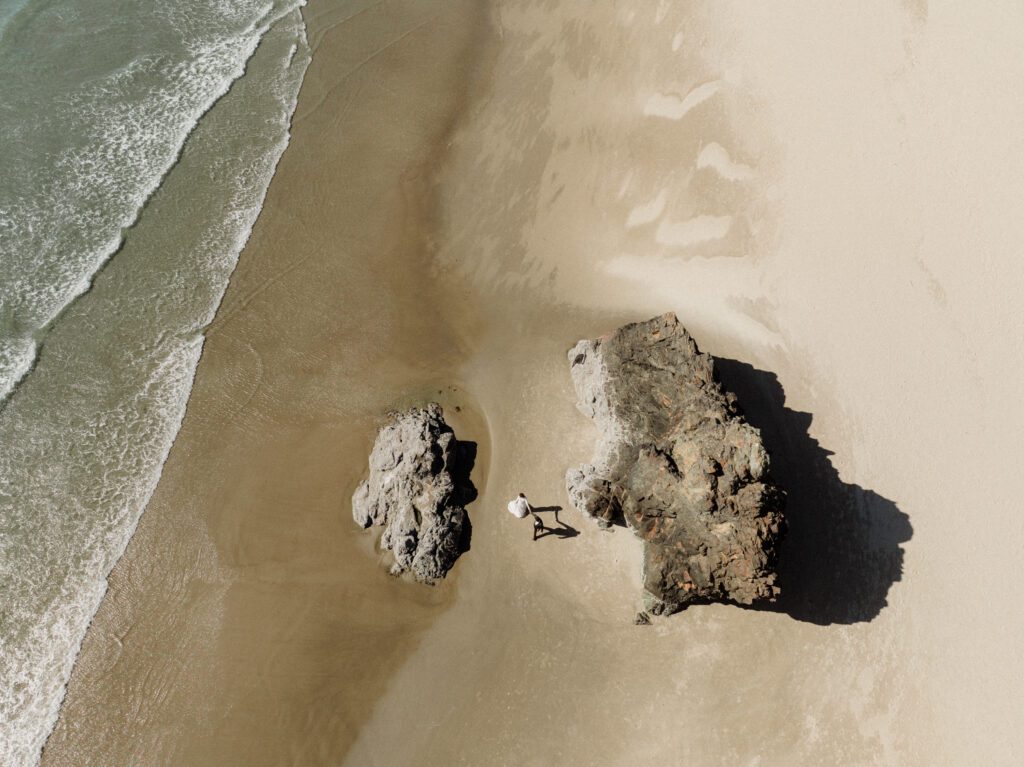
<point x="417" y="488"/>
<point x="678" y="465"/>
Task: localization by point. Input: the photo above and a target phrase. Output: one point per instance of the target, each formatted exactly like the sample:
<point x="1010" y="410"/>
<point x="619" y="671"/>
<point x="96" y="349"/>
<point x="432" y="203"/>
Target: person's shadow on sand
<point x="842" y="550"/>
<point x="562" y="531"/>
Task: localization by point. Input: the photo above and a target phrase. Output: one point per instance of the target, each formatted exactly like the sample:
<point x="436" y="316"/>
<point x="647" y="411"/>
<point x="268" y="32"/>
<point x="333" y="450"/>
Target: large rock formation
<point x="418" y="485"/>
<point x="678" y="465"/>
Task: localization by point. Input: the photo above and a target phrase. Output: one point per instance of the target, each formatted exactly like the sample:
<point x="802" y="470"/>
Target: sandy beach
<point x="828" y="197"/>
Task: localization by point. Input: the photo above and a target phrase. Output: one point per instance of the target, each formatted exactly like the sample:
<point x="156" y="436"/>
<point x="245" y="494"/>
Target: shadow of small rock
<point x="465" y="490"/>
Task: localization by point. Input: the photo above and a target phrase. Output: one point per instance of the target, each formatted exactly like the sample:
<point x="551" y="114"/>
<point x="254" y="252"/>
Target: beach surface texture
<point x="827" y="195"/>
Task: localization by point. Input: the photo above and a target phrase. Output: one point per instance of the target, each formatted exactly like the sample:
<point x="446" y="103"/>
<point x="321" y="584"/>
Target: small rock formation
<point x="418" y="485"/>
<point x="678" y="465"/>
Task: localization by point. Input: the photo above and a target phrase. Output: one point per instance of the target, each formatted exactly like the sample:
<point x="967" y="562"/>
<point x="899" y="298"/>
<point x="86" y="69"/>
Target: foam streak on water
<point x="85" y="434"/>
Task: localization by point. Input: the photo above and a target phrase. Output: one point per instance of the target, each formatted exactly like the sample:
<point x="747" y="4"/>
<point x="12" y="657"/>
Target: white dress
<point x="518" y="507"/>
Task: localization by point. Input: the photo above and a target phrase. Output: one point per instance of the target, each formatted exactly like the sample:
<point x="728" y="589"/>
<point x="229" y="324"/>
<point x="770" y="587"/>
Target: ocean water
<point x="137" y="141"/>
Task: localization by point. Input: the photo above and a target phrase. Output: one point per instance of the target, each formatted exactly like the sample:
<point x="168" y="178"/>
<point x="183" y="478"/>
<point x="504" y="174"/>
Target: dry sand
<point x="828" y="197"/>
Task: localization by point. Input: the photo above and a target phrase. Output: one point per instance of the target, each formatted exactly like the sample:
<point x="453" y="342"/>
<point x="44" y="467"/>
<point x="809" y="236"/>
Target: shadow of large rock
<point x="842" y="552"/>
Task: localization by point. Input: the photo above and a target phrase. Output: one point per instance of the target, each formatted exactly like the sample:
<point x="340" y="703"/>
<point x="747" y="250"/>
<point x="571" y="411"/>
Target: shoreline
<point x="231" y="555"/>
<point x="86" y="435"/>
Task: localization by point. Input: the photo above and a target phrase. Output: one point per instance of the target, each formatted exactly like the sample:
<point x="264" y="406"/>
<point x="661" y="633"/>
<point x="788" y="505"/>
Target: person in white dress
<point x="520" y="508"/>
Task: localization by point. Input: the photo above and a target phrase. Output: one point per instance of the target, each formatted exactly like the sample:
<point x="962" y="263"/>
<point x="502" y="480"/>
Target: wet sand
<point x="824" y="196"/>
<point x="248" y="622"/>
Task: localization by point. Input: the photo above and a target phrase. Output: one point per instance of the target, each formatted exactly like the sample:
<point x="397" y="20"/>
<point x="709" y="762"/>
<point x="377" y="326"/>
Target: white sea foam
<point x="86" y="436"/>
